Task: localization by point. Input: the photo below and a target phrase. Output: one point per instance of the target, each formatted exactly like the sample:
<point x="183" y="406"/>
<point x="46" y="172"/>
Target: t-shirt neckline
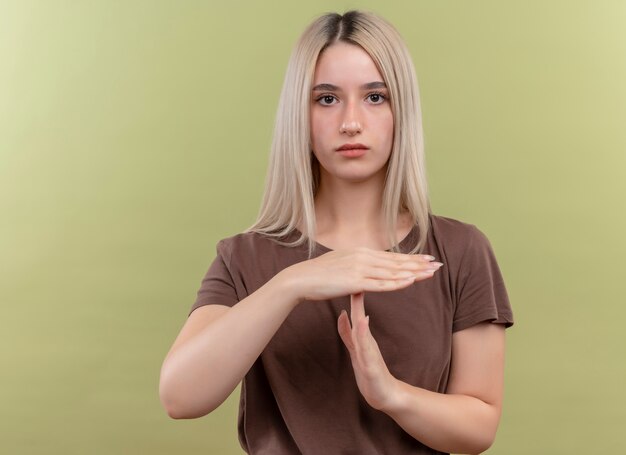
<point x="402" y="244"/>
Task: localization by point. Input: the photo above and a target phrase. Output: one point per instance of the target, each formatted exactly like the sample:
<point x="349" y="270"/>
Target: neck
<point x="351" y="208"/>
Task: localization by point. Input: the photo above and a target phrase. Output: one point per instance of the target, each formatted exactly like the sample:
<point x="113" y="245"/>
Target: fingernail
<point x="429" y="257"/>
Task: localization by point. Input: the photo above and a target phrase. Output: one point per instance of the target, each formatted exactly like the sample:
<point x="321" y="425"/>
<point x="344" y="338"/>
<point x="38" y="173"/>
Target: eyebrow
<point x="334" y="88"/>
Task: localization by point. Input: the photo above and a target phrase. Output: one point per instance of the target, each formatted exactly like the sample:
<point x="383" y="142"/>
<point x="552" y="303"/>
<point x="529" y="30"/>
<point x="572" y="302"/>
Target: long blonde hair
<point x="293" y="171"/>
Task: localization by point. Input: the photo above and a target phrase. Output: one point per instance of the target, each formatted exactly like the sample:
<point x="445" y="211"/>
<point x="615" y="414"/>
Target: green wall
<point x="135" y="135"/>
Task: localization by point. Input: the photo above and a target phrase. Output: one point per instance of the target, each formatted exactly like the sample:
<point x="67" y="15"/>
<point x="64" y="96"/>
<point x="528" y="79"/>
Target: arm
<point x="218" y="344"/>
<point x="465" y="419"/>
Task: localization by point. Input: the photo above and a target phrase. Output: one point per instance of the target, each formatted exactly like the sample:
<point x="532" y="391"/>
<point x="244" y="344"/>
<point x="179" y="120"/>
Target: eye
<point x="377" y="98"/>
<point x="326" y="100"/>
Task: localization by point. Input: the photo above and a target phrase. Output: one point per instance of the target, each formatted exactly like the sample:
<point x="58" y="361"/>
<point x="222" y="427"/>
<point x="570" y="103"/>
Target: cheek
<point x="388" y="128"/>
<point x="319" y="130"/>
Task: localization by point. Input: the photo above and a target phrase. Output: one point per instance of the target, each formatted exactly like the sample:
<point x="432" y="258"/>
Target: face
<point x="350" y="108"/>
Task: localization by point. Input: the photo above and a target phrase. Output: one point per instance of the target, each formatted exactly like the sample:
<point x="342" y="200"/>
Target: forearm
<point x="199" y="375"/>
<point x="448" y="423"/>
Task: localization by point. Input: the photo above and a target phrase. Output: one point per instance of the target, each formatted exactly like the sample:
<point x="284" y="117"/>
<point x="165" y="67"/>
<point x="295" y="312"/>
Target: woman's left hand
<point x="376" y="384"/>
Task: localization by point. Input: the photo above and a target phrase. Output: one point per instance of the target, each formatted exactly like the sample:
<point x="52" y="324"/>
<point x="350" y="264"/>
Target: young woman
<point x="358" y="321"/>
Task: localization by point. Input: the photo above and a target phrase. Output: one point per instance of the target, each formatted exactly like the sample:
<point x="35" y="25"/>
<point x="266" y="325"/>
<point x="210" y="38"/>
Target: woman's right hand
<point x="343" y="272"/>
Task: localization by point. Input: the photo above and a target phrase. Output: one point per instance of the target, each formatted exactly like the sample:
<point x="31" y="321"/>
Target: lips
<point x="352" y="147"/>
<point x="352" y="151"/>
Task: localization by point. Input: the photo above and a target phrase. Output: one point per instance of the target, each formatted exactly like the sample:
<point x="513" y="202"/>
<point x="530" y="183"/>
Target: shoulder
<point x="463" y="245"/>
<point x="242" y="241"/>
<point x="254" y="258"/>
<point x="476" y="281"/>
<point x="456" y="234"/>
<point x="247" y="245"/>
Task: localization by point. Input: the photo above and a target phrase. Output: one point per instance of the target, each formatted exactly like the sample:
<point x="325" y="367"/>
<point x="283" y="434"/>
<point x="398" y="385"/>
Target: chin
<point x="356" y="177"/>
<point x="356" y="170"/>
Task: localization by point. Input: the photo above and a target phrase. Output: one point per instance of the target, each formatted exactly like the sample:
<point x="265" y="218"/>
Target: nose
<point x="351" y="124"/>
<point x="351" y="128"/>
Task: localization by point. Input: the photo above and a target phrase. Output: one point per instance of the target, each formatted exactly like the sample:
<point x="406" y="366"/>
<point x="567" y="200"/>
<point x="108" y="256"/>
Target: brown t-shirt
<point x="300" y="396"/>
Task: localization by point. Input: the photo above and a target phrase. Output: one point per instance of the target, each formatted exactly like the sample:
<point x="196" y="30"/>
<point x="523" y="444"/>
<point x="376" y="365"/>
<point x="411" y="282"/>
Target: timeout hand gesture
<point x="352" y="272"/>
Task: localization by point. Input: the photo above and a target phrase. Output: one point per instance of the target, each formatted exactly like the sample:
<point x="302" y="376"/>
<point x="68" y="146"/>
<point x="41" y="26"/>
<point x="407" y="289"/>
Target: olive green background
<point x="135" y="135"/>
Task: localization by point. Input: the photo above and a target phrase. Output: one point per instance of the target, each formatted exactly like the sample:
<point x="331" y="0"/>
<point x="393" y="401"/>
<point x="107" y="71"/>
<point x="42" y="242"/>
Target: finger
<point x="357" y="307"/>
<point x="403" y="257"/>
<point x="345" y="331"/>
<point x="391" y="261"/>
<point x="397" y="262"/>
<point x="364" y="336"/>
<point x="392" y="271"/>
<point x="367" y="348"/>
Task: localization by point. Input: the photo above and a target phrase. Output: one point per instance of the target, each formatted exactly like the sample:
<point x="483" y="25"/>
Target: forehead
<point x="345" y="64"/>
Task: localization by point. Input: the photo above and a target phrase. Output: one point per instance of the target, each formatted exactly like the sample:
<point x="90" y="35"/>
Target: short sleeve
<point x="217" y="286"/>
<point x="481" y="295"/>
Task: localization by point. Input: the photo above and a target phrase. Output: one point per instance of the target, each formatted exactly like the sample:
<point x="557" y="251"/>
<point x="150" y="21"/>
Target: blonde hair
<point x="293" y="171"/>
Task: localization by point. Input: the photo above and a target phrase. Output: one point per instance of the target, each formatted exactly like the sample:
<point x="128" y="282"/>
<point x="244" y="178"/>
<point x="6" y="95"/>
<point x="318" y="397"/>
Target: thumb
<point x="345" y="331"/>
